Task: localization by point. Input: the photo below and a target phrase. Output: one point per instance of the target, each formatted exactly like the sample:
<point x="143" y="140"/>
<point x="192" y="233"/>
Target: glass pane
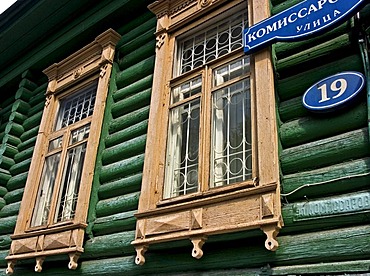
<point x="231" y="70"/>
<point x="182" y="150"/>
<point x="80" y="134"/>
<point x="55" y="144"/>
<point x="186" y="90"/>
<point x="76" y="107"/>
<point x="68" y="194"/>
<point x="231" y="135"/>
<point x="212" y="43"/>
<point x="45" y="192"/>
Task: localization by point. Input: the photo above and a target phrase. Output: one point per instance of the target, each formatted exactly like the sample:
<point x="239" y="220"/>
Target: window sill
<point x="219" y="213"/>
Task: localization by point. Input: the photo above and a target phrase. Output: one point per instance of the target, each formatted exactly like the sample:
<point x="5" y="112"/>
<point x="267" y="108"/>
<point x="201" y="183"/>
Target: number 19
<point x="339" y="85"/>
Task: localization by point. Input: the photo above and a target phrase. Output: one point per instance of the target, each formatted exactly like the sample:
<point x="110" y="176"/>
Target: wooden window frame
<point x="238" y="207"/>
<point x="91" y="63"/>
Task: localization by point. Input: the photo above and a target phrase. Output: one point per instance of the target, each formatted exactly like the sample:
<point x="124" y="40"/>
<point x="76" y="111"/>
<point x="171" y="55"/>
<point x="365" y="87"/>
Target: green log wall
<point x="323" y="158"/>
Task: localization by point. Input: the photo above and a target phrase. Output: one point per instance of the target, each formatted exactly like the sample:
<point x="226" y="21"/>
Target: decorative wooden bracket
<point x="73" y="258"/>
<point x="10" y="268"/>
<point x="140" y="251"/>
<point x="198" y="244"/>
<point x="39" y="262"/>
<point x="271" y="231"/>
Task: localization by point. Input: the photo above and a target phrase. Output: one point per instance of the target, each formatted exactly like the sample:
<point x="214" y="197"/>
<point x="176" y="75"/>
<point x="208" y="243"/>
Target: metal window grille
<point x="212" y="43"/>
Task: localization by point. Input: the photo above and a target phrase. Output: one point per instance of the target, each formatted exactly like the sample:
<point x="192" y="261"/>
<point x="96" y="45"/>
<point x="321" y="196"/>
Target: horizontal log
<point x="124" y="150"/>
<point x="24" y="155"/>
<point x="5" y="241"/>
<point x="38" y="95"/>
<point x="308" y="129"/>
<point x="33" y="121"/>
<point x="340" y="178"/>
<point x="25" y="89"/>
<point x="340" y="148"/>
<point x="143" y="23"/>
<point x="115" y="223"/>
<point x="17" y="181"/>
<point x="20" y="167"/>
<point x="38" y="108"/>
<point x="128" y="184"/>
<point x="3" y="264"/>
<point x="6" y="162"/>
<point x="126" y="134"/>
<point x="4" y="176"/>
<point x="8" y="150"/>
<point x="144" y="51"/>
<point x="14" y="129"/>
<point x="140" y="85"/>
<point x="121" y="169"/>
<point x="285" y="49"/>
<point x="117" y="244"/>
<point x="17" y="117"/>
<point x="296" y="84"/>
<point x="27" y="143"/>
<point x="129" y="119"/>
<point x="135" y="72"/>
<point x="14" y="196"/>
<point x="292" y="109"/>
<point x="7" y="225"/>
<point x="283" y="5"/>
<point x="22" y="107"/>
<point x="315" y="56"/>
<point x="11" y="209"/>
<point x="2" y="203"/>
<point x="131" y="103"/>
<point x="12" y="140"/>
<point x="119" y="204"/>
<point x="336" y="268"/>
<point x="3" y="191"/>
<point x="139" y="40"/>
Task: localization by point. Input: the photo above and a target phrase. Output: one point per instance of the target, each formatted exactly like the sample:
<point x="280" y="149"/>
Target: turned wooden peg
<point x="73" y="258"/>
<point x="39" y="262"/>
<point x="10" y="268"/>
<point x="197" y="246"/>
<point x="140" y="251"/>
<point x="271" y="232"/>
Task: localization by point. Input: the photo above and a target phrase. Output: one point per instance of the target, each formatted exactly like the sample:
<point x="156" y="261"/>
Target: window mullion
<point x="205" y="133"/>
<point x="58" y="181"/>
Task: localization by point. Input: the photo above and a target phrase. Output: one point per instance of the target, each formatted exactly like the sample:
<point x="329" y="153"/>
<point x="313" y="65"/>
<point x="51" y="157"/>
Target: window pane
<point x="69" y="189"/>
<point x="49" y="173"/>
<point x="212" y="43"/>
<point x="231" y="71"/>
<point x="231" y="135"/>
<point x="186" y="90"/>
<point x="182" y="150"/>
<point x="76" y="107"/>
<point x="79" y="134"/>
<point x="55" y="144"/>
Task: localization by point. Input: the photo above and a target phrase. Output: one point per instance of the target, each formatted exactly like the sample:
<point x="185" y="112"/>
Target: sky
<point x="4" y="4"/>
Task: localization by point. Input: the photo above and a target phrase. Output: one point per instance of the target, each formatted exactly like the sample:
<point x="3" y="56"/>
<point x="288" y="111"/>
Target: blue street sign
<point x="333" y="91"/>
<point x="304" y="19"/>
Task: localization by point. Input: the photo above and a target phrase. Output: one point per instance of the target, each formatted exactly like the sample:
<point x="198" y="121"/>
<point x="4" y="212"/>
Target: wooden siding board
<point x="336" y="149"/>
<point x="296" y="84"/>
<point x="305" y="129"/>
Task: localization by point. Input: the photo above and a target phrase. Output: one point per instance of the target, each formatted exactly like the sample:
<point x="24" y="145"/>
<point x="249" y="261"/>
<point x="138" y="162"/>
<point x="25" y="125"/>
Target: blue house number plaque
<point x="300" y="21"/>
<point x="333" y="91"/>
